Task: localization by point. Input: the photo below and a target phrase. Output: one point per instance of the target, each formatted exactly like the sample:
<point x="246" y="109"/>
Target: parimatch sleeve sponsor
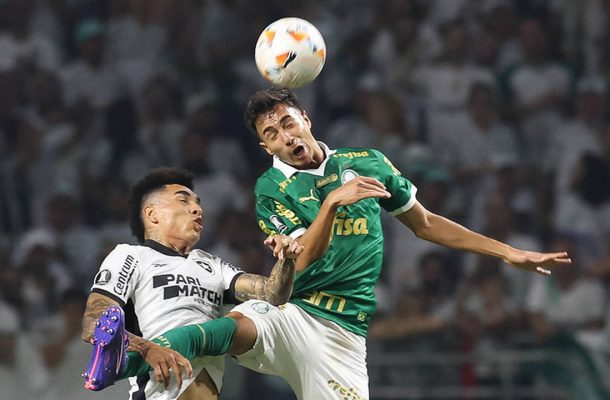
<point x="275" y="217"/>
<point x="117" y="274"/>
<point x="402" y="190"/>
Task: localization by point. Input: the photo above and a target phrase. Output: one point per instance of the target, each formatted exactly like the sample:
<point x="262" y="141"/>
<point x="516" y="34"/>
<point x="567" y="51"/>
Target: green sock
<point x="210" y="338"/>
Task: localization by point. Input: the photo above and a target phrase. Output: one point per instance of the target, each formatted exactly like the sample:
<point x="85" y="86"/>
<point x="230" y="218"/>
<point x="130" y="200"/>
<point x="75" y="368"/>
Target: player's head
<point x="163" y="207"/>
<point x="283" y="127"/>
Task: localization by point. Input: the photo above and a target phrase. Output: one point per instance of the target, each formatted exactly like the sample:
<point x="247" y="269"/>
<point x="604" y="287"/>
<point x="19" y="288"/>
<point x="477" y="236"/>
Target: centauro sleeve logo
<point x="287" y="213"/>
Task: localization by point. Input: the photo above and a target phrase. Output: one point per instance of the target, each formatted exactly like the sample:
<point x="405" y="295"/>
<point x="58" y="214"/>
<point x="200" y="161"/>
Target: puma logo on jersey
<point x="310" y="197"/>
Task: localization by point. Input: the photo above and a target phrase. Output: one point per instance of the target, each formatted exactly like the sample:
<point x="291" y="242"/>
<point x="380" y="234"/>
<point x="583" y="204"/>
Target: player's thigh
<point x="279" y="333"/>
<point x="319" y="359"/>
<point x="202" y="388"/>
<point x="341" y="371"/>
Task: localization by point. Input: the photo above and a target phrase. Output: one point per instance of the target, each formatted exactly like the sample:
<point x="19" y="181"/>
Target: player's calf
<point x="109" y="354"/>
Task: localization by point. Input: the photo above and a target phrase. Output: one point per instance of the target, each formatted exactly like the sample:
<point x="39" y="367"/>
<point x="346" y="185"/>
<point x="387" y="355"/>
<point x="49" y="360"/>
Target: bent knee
<point x="245" y="335"/>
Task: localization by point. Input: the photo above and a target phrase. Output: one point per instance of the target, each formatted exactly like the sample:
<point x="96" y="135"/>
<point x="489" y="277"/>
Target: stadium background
<point x="497" y="110"/>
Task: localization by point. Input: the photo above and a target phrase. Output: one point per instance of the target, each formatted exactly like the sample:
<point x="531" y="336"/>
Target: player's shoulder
<point x="124" y="254"/>
<point x="357" y="153"/>
<point x="202" y="254"/>
<point x="354" y="152"/>
<point x="127" y="248"/>
<point x="269" y="181"/>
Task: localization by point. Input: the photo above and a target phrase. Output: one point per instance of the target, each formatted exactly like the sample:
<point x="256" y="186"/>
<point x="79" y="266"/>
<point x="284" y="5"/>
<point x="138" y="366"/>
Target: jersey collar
<point x="162" y="249"/>
<point x="289" y="170"/>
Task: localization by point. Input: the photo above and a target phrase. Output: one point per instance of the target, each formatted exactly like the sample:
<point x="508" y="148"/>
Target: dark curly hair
<point x="265" y="101"/>
<point x="154" y="180"/>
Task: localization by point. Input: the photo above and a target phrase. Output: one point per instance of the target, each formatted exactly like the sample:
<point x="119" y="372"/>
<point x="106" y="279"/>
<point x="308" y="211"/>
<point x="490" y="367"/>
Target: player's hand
<point x="362" y="187"/>
<point x="283" y="246"/>
<point x="542" y="263"/>
<point x="165" y="361"/>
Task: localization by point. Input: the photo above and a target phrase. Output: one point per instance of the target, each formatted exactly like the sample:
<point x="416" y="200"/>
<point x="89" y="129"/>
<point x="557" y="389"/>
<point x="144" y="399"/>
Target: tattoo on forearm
<point x="276" y="289"/>
<point x="96" y="304"/>
<point x="138" y="344"/>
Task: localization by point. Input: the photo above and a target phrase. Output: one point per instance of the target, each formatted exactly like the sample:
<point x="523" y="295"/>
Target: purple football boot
<point x="109" y="355"/>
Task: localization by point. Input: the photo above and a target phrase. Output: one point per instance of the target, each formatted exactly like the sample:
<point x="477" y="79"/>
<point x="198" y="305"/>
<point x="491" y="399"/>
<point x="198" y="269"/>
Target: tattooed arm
<point x="161" y="359"/>
<point x="96" y="304"/>
<point x="277" y="287"/>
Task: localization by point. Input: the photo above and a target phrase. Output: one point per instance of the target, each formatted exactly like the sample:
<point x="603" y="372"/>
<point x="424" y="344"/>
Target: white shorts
<point x="155" y="390"/>
<point x="318" y="358"/>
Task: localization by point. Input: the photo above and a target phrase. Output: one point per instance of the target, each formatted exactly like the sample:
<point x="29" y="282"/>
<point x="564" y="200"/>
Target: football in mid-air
<point x="290" y="52"/>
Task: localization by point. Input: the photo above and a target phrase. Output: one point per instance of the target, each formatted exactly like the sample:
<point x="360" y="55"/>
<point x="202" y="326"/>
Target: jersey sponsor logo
<point x="283" y="211"/>
<point x="260" y="307"/>
<point x="346" y="393"/>
<point x="352" y="154"/>
<point x="344" y="226"/>
<point x="326" y="180"/>
<point x="275" y="220"/>
<point x="205" y="265"/>
<point x="326" y="300"/>
<point x="185" y="286"/>
<point x="102" y="277"/>
<point x="310" y="197"/>
<point x="125" y="274"/>
<point x="348" y="175"/>
<point x="361" y="316"/>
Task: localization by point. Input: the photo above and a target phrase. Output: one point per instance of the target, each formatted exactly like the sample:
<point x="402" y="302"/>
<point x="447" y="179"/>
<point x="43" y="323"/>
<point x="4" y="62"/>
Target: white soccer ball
<point x="290" y="52"/>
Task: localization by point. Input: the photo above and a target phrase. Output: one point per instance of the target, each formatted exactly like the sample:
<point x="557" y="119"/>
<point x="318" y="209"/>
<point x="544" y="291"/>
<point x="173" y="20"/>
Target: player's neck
<point x="317" y="158"/>
<point x="179" y="246"/>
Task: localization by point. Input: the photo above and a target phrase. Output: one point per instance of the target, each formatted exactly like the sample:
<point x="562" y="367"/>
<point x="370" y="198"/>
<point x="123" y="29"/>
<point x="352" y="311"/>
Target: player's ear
<point x="306" y="118"/>
<point x="150" y="213"/>
<point x="264" y="147"/>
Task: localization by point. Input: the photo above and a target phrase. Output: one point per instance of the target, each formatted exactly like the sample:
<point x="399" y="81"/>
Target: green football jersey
<point x="339" y="286"/>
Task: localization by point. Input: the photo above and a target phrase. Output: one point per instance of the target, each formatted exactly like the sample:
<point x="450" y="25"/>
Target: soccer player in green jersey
<point x="331" y="202"/>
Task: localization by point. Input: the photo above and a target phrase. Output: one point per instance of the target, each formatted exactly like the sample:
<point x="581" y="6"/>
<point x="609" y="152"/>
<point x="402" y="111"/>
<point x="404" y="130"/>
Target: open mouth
<point x="199" y="223"/>
<point x="298" y="151"/>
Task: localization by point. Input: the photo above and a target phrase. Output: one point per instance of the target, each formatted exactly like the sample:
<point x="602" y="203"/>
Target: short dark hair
<point x="265" y="101"/>
<point x="154" y="180"/>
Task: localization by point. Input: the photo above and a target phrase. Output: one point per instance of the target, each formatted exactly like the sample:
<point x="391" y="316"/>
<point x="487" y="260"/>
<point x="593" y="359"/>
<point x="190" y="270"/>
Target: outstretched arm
<point x="313" y="240"/>
<point x="438" y="229"/>
<point x="159" y="358"/>
<point x="277" y="287"/>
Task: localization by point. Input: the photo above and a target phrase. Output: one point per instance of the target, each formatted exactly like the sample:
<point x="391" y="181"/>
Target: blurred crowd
<point x="497" y="110"/>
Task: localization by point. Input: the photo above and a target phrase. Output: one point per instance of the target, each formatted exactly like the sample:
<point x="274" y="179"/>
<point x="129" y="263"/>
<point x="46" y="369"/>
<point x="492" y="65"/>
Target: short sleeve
<point x="230" y="273"/>
<point x="274" y="217"/>
<point x="117" y="274"/>
<point x="402" y="190"/>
